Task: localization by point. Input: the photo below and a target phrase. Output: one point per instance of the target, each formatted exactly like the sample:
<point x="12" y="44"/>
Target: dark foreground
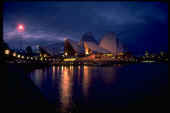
<point x="23" y="95"/>
<point x="137" y="87"/>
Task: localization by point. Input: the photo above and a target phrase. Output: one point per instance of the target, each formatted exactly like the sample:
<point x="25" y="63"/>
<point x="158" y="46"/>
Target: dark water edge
<point x="23" y="96"/>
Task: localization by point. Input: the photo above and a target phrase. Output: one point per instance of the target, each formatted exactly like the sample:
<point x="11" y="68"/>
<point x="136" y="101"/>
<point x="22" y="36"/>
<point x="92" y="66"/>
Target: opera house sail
<point x="87" y="37"/>
<point x="110" y="42"/>
<point x="91" y="47"/>
<point x="72" y="48"/>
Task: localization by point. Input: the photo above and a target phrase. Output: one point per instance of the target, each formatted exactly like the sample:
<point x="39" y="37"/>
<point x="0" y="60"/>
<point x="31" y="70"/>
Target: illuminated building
<point x="91" y="47"/>
<point x="109" y="46"/>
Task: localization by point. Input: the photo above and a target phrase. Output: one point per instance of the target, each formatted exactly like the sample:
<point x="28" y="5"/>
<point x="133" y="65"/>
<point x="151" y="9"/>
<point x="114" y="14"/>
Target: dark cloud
<point x="135" y="22"/>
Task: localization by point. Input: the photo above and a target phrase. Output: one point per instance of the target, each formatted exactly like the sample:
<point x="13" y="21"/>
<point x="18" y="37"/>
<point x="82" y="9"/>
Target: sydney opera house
<point x="108" y="46"/>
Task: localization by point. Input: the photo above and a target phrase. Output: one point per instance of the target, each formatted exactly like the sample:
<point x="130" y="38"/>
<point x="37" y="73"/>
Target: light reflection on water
<point x="86" y="80"/>
<point x="66" y="87"/>
<point x="69" y="86"/>
<point x="62" y="78"/>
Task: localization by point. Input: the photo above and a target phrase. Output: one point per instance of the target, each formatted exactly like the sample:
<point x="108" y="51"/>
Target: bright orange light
<point x="14" y="54"/>
<point x="86" y="52"/>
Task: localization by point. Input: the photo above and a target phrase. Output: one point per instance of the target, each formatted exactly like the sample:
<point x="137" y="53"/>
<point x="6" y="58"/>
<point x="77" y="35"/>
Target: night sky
<point x="138" y="25"/>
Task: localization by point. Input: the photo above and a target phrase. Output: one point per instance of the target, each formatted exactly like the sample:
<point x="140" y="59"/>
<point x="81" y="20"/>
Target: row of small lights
<point x="7" y="52"/>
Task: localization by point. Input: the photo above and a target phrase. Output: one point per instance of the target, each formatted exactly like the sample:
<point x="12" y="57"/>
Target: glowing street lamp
<point x="22" y="57"/>
<point x="45" y="55"/>
<point x="7" y="52"/>
<point x="65" y="53"/>
<point x="28" y="57"/>
<point x="18" y="56"/>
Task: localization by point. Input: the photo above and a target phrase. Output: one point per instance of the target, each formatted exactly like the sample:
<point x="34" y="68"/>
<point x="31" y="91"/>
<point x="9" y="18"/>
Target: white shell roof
<point x="109" y="42"/>
<point x="94" y="47"/>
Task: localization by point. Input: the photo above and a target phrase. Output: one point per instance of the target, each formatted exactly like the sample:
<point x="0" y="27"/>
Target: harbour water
<point x="83" y="89"/>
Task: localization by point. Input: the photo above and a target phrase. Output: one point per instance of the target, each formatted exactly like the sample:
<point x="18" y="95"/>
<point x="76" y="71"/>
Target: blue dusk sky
<point x="138" y="25"/>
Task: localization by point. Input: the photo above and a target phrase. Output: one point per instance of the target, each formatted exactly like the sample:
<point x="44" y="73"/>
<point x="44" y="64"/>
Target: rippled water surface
<point x="89" y="88"/>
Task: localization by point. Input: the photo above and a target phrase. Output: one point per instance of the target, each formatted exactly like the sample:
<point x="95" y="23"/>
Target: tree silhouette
<point x="29" y="50"/>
